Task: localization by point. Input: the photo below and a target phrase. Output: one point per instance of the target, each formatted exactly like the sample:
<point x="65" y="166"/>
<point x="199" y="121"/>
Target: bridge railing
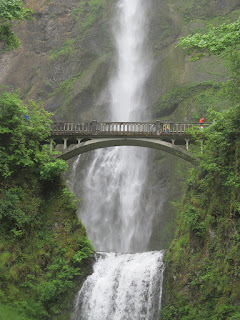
<point x="123" y="128"/>
<point x="72" y="127"/>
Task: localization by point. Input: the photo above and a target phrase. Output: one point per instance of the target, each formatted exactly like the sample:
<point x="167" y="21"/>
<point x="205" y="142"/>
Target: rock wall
<point x="66" y="52"/>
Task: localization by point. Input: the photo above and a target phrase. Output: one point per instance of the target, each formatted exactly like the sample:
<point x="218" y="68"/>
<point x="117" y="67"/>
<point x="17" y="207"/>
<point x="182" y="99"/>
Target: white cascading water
<point x="115" y="210"/>
<point x="71" y="180"/>
<point x="122" y="287"/>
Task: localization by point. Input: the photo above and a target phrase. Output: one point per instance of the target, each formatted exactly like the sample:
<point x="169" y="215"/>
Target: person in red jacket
<point x="201" y="123"/>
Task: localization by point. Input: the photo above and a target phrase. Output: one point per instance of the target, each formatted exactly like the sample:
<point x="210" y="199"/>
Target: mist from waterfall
<point x="114" y="211"/>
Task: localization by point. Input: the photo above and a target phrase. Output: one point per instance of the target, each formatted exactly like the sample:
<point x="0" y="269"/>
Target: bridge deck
<point x="133" y="129"/>
<point x="78" y="138"/>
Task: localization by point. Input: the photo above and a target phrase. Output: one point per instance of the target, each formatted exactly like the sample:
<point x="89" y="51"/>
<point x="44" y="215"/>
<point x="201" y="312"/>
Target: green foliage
<point x="216" y="41"/>
<point x="10" y="210"/>
<point x="8" y="37"/>
<point x="21" y="138"/>
<point x="203" y="257"/>
<point x="44" y="248"/>
<point x="192" y="221"/>
<point x="66" y="88"/>
<point x="86" y="250"/>
<point x="38" y="221"/>
<point x="14" y="10"/>
<point x="87" y="11"/>
<point x="7" y="313"/>
<point x="65" y="50"/>
<point x="52" y="170"/>
<point x="11" y="10"/>
<point x="222" y="40"/>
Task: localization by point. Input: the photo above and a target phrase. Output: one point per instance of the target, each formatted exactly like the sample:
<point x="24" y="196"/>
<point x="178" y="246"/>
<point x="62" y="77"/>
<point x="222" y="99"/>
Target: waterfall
<point x="115" y="210"/>
<point x="71" y="181"/>
<point x="122" y="287"/>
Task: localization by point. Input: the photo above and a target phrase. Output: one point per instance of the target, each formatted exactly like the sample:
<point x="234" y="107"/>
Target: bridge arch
<point x="99" y="143"/>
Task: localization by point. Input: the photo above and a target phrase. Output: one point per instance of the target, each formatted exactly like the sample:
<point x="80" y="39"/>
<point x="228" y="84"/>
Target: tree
<point x="225" y="37"/>
<point x="11" y="10"/>
<point x="222" y="40"/>
<point x="20" y="139"/>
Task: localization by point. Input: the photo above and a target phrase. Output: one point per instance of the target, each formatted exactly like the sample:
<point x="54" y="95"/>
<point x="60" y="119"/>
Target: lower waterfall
<point x="122" y="287"/>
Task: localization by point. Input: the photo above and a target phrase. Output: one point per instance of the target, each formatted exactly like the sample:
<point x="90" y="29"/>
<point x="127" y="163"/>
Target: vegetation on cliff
<point x="44" y="248"/>
<point x="192" y="101"/>
<point x="11" y="10"/>
<point x="202" y="276"/>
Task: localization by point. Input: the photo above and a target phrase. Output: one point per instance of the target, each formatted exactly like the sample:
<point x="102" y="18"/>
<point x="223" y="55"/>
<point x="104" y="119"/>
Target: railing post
<point x="158" y="127"/>
<point x="94" y="127"/>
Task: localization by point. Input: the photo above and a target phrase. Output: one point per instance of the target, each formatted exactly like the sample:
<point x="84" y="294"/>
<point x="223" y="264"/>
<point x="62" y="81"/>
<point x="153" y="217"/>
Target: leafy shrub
<point x="86" y="250"/>
<point x="21" y="139"/>
<point x="10" y="210"/>
<point x="11" y="10"/>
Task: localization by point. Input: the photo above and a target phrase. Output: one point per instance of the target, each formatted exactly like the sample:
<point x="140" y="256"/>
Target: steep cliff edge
<point x="202" y="275"/>
<point x="45" y="252"/>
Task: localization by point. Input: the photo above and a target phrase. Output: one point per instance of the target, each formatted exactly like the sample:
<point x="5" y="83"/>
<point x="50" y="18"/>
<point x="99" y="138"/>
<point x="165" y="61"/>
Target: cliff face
<point x="63" y="56"/>
<point x="66" y="52"/>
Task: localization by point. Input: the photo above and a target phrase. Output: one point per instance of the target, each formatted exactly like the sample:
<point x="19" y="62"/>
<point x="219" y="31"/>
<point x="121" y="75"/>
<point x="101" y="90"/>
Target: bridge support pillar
<point x="187" y="144"/>
<point x="78" y="140"/>
<point x="158" y="127"/>
<point x="94" y="127"/>
<point x="65" y="143"/>
<point x="173" y="141"/>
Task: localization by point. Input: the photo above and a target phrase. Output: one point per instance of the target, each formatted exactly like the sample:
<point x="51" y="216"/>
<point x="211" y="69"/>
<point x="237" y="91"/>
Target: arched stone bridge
<point x="78" y="138"/>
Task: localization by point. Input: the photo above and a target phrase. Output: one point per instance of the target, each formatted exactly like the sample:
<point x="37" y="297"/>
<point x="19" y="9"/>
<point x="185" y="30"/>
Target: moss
<point x="192" y="101"/>
<point x="66" y="50"/>
<point x="87" y="12"/>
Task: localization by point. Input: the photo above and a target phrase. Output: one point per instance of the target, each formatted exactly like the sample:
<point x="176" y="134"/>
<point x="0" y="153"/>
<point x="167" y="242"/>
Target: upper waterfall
<point x="115" y="211"/>
<point x="126" y="85"/>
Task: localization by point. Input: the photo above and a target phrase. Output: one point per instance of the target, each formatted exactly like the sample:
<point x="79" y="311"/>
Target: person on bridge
<point x="201" y="123"/>
<point x="166" y="127"/>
